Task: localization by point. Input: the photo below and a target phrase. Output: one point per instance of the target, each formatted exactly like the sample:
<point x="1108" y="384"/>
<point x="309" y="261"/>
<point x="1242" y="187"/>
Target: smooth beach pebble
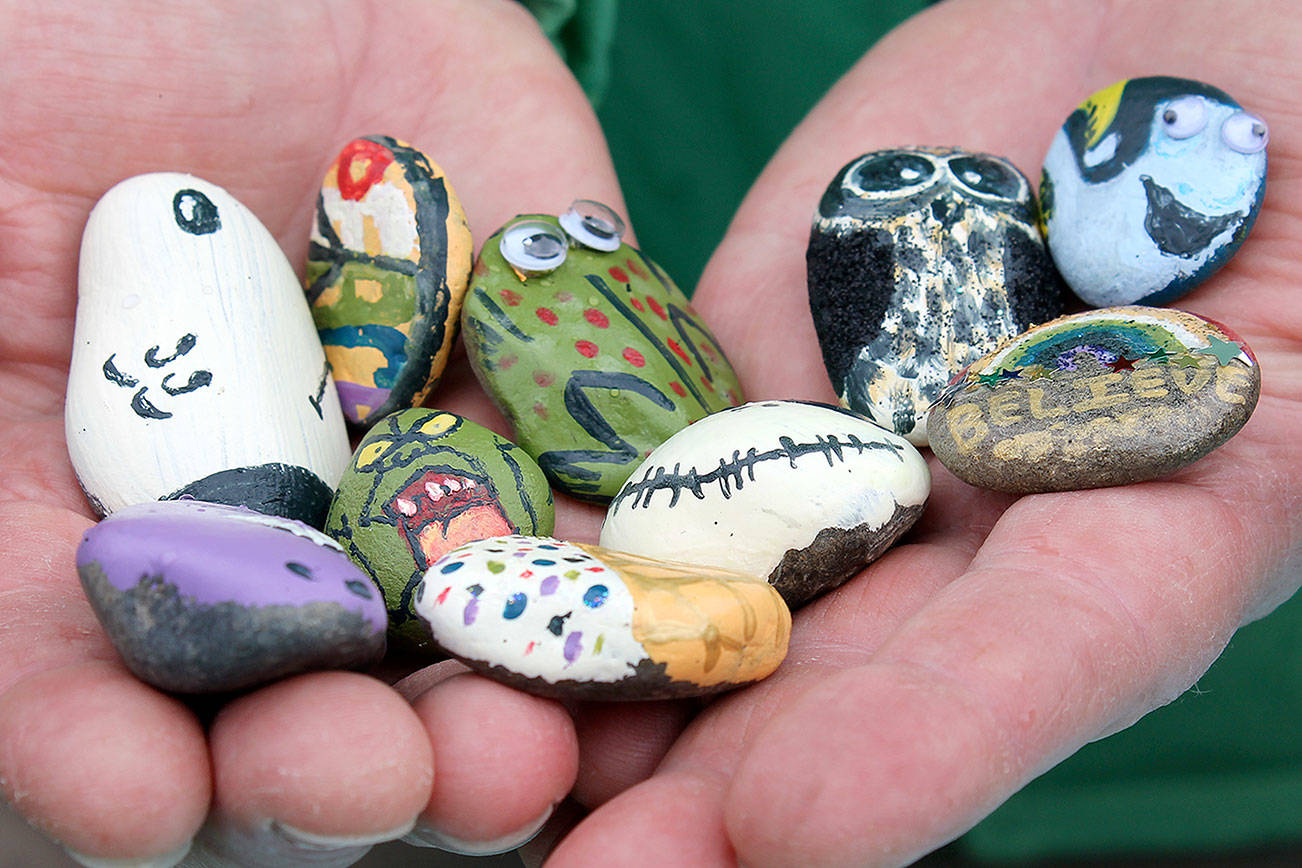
<point x="1106" y="397"/>
<point x="919" y="261"/>
<point x="196" y="369"/>
<point x="1149" y="187"/>
<point x="201" y="597"/>
<point x="571" y="620"/>
<point x="423" y="482"/>
<point x="588" y="348"/>
<point x="387" y="268"/>
<point x="804" y="494"/>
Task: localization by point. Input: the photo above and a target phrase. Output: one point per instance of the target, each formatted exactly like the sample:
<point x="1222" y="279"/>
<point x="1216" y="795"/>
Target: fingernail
<point x="167" y="860"/>
<point x="273" y="844"/>
<point x="423" y="835"/>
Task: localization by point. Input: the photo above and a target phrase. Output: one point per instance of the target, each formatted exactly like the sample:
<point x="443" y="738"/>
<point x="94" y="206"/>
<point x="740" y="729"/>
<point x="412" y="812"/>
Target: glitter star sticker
<point x="991" y="379"/>
<point x="1224" y="351"/>
<point x="1185" y="360"/>
<point x="1159" y="355"/>
<point x="1121" y="363"/>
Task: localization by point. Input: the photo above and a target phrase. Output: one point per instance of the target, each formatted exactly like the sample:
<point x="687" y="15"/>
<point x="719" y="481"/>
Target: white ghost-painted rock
<point x="196" y="368"/>
<point x="805" y="494"/>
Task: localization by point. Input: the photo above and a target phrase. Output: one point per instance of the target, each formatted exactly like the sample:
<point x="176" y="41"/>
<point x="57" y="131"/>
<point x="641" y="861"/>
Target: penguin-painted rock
<point x="196" y="369"/>
<point x="1149" y="187"/>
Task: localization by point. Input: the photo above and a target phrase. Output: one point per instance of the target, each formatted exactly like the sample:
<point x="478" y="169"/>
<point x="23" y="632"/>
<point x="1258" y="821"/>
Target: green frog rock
<point x="588" y="348"/>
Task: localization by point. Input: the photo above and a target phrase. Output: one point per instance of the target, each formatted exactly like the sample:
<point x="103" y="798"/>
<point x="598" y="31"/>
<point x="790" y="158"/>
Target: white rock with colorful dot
<point x="805" y="494"/>
<point x="573" y="620"/>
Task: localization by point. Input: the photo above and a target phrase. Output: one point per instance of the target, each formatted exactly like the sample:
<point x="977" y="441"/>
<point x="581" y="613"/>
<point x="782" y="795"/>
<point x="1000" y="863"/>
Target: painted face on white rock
<point x="196" y="369"/>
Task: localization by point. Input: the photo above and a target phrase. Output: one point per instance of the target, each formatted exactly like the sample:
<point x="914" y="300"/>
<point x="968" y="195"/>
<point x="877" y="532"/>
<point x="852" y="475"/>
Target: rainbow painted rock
<point x="569" y="620"/>
<point x="423" y="482"/>
<point x="1106" y="397"/>
<point x="588" y="348"/>
<point x="919" y="261"/>
<point x="1149" y="187"/>
<point x="200" y="597"/>
<point x="804" y="494"/>
<point x="195" y="367"/>
<point x="387" y="268"/>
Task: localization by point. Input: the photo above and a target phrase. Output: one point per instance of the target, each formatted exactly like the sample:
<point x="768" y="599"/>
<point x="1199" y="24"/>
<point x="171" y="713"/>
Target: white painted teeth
<point x="406" y="507"/>
<point x="452" y="485"/>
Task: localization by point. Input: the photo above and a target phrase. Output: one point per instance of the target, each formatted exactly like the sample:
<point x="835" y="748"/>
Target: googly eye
<point x="1184" y="117"/>
<point x="1245" y="133"/>
<point x="594" y="225"/>
<point x="195" y="213"/>
<point x="534" y="246"/>
<point x="889" y="171"/>
<point x="988" y="177"/>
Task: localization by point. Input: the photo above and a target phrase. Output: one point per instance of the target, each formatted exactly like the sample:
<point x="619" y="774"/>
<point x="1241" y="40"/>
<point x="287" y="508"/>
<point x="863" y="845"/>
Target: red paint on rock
<point x="633" y="357"/>
<point x="547" y="315"/>
<point x="586" y="348"/>
<point x="361" y="165"/>
<point x="597" y="318"/>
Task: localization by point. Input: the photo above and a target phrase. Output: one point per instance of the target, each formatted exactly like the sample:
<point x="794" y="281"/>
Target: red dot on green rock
<point x="656" y="308"/>
<point x="637" y="304"/>
<point x="635" y="268"/>
<point x="596" y="317"/>
<point x="543" y="378"/>
<point x="633" y="357"/>
<point x="678" y="389"/>
<point x="586" y="348"/>
<point x="511" y="297"/>
<point x="678" y="350"/>
<point x="547" y="315"/>
<point x="619" y="274"/>
<point x="540" y="409"/>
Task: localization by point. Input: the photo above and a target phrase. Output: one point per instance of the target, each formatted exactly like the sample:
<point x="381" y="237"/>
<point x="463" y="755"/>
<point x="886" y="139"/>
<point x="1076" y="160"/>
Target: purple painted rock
<point x="200" y="597"/>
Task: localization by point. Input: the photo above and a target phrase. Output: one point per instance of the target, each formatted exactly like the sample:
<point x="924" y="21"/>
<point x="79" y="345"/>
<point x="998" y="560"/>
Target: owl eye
<point x="1184" y="117"/>
<point x="195" y="213"/>
<point x="987" y="177"/>
<point x="1245" y="133"/>
<point x="534" y="246"/>
<point x="884" y="173"/>
<point x="594" y="225"/>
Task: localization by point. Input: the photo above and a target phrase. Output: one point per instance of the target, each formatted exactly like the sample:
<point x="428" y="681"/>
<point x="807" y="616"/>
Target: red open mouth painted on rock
<point x="441" y="509"/>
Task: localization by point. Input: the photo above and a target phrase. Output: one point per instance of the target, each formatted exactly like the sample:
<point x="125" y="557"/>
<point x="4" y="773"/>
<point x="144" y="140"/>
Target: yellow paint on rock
<point x="355" y="364"/>
<point x="708" y="626"/>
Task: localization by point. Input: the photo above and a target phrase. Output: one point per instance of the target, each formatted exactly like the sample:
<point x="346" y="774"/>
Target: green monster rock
<point x="588" y="348"/>
<point x="423" y="482"/>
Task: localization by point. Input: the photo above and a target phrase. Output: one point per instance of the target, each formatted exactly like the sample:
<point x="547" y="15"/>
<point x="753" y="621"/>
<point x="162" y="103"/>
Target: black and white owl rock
<point x="921" y="260"/>
<point x="196" y="369"/>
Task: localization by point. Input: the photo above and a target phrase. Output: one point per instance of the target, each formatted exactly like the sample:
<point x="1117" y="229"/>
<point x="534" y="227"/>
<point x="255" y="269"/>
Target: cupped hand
<point x="1005" y="633"/>
<point x="258" y="98"/>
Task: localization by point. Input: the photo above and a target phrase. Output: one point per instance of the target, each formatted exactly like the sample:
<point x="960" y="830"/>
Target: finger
<point x="505" y="759"/>
<point x="318" y="766"/>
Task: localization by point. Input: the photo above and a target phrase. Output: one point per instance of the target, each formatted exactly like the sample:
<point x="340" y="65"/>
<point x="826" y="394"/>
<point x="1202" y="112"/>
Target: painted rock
<point x="200" y="597"/>
<point x="195" y="366"/>
<point x="570" y="620"/>
<point x="1149" y="187"/>
<point x="804" y="494"/>
<point x="423" y="482"/>
<point x="1106" y="397"/>
<point x="919" y="261"/>
<point x="588" y="348"/>
<point x="387" y="268"/>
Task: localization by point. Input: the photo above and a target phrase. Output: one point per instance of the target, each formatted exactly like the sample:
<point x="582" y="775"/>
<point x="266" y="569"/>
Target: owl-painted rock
<point x="196" y="370"/>
<point x="1149" y="187"/>
<point x="386" y="271"/>
<point x="920" y="260"/>
<point x="588" y="348"/>
<point x="423" y="482"/>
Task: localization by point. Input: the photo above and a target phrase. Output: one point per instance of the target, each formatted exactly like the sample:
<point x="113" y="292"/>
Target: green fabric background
<point x="694" y="99"/>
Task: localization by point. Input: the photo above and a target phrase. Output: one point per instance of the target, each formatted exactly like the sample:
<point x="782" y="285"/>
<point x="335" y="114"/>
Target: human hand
<point x="257" y="98"/>
<point x="1006" y="632"/>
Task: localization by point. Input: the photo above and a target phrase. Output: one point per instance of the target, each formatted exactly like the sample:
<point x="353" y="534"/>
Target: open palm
<point x="1002" y="636"/>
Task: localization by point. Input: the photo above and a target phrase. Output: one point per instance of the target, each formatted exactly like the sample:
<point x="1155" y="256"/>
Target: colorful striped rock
<point x="423" y="482"/>
<point x="568" y="620"/>
<point x="195" y="366"/>
<point x="387" y="268"/>
<point x="200" y="597"/>
<point x="804" y="494"/>
<point x="588" y="348"/>
<point x="1106" y="397"/>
